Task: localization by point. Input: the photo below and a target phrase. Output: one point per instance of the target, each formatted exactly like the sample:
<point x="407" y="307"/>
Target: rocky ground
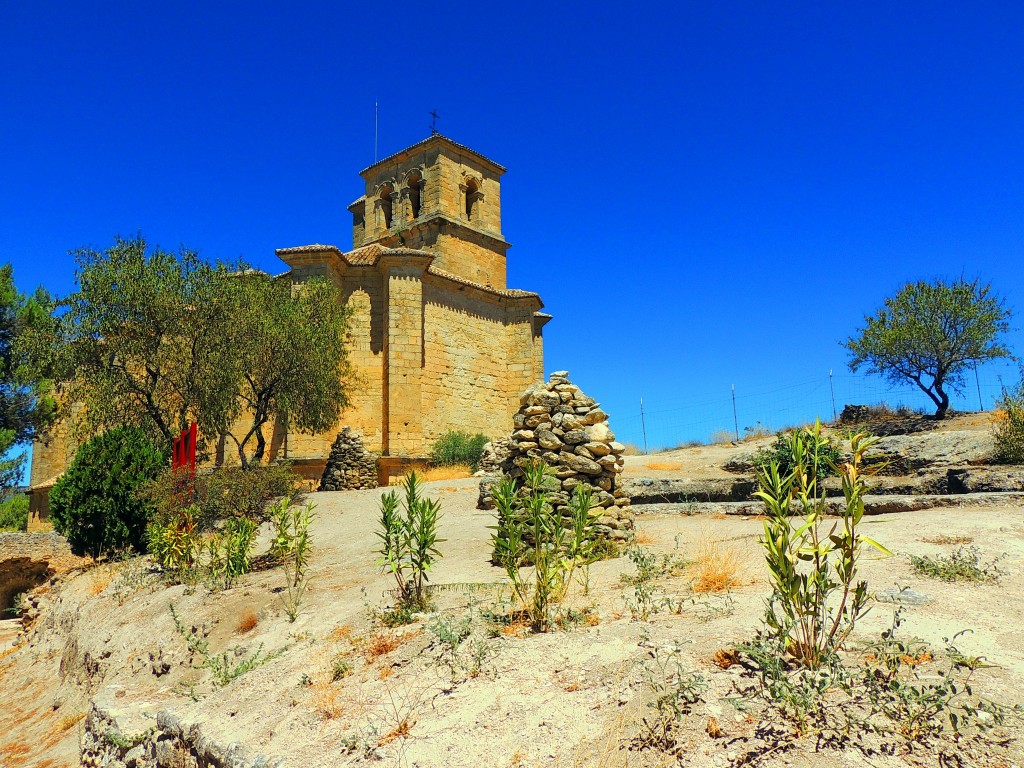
<point x="103" y="666"/>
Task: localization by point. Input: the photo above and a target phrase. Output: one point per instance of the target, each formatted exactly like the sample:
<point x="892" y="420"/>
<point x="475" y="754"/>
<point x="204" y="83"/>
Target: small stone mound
<point x="349" y="466"/>
<point x="494" y="456"/>
<point x="561" y="426"/>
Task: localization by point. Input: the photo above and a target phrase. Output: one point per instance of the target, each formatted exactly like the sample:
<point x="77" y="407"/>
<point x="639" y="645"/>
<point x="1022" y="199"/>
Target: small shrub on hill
<point x="820" y="454"/>
<point x="14" y="513"/>
<point x="455" y="447"/>
<point x="96" y="503"/>
<point x="1009" y="429"/>
<point x="224" y="493"/>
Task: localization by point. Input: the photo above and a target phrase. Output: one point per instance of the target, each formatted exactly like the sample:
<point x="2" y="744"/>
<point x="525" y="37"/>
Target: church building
<point x="437" y="339"/>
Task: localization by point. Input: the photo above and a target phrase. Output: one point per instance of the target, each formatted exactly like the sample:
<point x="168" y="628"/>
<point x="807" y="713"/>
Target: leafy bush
<point x="821" y="454"/>
<point x="224" y="493"/>
<point x="1009" y="429"/>
<point x="14" y="513"/>
<point x="176" y="543"/>
<point x="816" y="598"/>
<point x="455" y="447"/>
<point x="291" y="545"/>
<point x="408" y="532"/>
<point x="228" y="551"/>
<point x="96" y="503"/>
<point x="530" y="530"/>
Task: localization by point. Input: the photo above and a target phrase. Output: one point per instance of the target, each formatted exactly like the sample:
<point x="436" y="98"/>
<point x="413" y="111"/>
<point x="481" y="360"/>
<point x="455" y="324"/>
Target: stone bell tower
<point x="441" y="197"/>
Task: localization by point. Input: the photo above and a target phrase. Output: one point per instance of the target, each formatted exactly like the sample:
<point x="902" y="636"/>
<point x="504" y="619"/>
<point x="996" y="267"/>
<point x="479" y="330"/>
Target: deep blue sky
<point x="703" y="194"/>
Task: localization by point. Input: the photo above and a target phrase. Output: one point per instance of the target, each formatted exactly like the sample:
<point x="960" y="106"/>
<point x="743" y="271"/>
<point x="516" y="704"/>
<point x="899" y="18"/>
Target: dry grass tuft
<point x="70" y="721"/>
<point x="325" y="700"/>
<point x="643" y="538"/>
<point x="717" y="566"/>
<point x="247" y="621"/>
<point x="400" y="731"/>
<point x="340" y="633"/>
<point x="663" y="466"/>
<point x="382" y="643"/>
<point x="100" y="581"/>
<point x="453" y="472"/>
<point x="944" y="539"/>
<point x="725" y="657"/>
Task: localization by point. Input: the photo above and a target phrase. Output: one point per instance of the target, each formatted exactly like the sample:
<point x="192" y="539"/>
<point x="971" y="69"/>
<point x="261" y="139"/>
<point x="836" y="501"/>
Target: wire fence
<point x="732" y="413"/>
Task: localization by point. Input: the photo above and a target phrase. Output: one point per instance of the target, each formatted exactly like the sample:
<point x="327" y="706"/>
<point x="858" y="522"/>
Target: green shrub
<point x="14" y="513"/>
<point x="224" y="493"/>
<point x="408" y="533"/>
<point x="176" y="543"/>
<point x="813" y="566"/>
<point x="455" y="447"/>
<point x="530" y="530"/>
<point x="1009" y="429"/>
<point x="821" y="454"/>
<point x="96" y="503"/>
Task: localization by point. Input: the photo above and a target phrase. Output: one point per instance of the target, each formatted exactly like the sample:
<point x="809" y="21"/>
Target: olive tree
<point x="930" y="334"/>
<point x="143" y="341"/>
<point x="289" y="353"/>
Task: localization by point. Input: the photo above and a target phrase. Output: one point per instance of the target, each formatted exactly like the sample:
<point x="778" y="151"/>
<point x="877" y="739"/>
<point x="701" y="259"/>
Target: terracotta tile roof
<point x="436" y="137"/>
<point x="314" y="248"/>
<point x="511" y="293"/>
<point x="368" y="255"/>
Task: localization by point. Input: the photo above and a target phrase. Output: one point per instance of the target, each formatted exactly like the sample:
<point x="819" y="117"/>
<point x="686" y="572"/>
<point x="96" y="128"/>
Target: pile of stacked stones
<point x="349" y="466"/>
<point x="561" y="426"/>
<point x="494" y="456"/>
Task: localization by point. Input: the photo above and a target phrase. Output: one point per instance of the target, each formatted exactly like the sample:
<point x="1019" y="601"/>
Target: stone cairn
<point x="349" y="466"/>
<point x="561" y="426"/>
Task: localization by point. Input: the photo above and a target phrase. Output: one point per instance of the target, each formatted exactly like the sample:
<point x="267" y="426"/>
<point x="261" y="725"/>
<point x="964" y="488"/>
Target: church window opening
<point x="472" y="196"/>
<point x="385" y="204"/>
<point x="414" y="184"/>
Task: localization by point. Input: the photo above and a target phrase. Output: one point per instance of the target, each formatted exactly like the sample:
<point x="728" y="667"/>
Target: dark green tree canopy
<point x="26" y="405"/>
<point x="96" y="504"/>
<point x="930" y="334"/>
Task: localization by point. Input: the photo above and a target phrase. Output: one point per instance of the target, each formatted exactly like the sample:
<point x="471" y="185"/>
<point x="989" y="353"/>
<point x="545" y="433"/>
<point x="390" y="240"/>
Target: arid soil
<point x="105" y="645"/>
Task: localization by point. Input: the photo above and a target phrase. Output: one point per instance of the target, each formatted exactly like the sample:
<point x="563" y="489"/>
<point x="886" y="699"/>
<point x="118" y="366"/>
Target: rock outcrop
<point x="558" y="424"/>
<point x="349" y="466"/>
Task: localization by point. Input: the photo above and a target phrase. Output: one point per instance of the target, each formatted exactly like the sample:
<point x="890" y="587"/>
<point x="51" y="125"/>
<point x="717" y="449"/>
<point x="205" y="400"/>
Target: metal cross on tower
<point x="433" y="122"/>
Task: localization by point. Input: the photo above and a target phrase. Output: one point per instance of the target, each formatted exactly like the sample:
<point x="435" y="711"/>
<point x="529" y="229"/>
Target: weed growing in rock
<point x="645" y="601"/>
<point x="962" y="564"/>
<point x="408" y="532"/>
<point x="809" y="565"/>
<point x="529" y="530"/>
<point x="893" y="695"/>
<point x="221" y="666"/>
<point x="672" y="692"/>
<point x="463" y="644"/>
